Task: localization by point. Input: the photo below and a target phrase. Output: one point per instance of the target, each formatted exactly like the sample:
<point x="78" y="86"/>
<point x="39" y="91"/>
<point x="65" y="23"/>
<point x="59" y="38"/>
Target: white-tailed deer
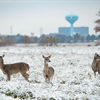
<point x="96" y="64"/>
<point x="48" y="72"/>
<point x="10" y="69"/>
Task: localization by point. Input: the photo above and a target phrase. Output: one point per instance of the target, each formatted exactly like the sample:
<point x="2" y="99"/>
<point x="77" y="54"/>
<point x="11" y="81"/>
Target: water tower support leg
<point x="71" y="30"/>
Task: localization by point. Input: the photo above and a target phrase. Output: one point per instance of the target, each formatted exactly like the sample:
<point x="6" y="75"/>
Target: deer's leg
<point x="44" y="74"/>
<point x="46" y="80"/>
<point x="49" y="80"/>
<point x="45" y="77"/>
<point x="95" y="74"/>
<point x="8" y="77"/>
<point x="25" y="75"/>
<point x="98" y="70"/>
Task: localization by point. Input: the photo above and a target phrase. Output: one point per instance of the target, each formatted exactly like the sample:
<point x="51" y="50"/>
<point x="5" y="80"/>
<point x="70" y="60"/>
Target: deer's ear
<point x="95" y="53"/>
<point x="43" y="56"/>
<point x="49" y="56"/>
<point x="3" y="55"/>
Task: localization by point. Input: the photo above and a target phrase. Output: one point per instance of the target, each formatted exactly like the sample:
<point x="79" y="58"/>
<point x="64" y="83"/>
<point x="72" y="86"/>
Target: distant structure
<point x="70" y="31"/>
<point x="71" y="18"/>
<point x="41" y="31"/>
<point x="32" y="34"/>
<point x="11" y="30"/>
<point x="83" y="31"/>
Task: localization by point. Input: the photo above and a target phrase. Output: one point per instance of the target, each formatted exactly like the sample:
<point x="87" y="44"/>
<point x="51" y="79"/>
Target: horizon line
<point x="50" y="1"/>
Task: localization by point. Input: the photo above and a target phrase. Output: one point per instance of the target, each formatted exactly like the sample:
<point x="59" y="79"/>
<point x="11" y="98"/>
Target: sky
<point x="28" y="16"/>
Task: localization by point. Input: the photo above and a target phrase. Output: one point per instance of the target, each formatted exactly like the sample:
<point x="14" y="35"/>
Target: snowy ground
<point x="73" y="78"/>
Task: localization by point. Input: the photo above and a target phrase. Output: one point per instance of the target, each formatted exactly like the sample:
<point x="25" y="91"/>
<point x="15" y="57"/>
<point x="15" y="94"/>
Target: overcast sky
<point x="27" y="16"/>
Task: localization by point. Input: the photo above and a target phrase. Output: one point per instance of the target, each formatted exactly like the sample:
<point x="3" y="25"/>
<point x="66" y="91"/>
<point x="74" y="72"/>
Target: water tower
<point x="71" y="18"/>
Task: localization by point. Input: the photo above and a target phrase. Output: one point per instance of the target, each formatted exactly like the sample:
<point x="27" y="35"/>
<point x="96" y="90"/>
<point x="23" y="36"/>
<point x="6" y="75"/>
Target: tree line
<point x="48" y="40"/>
<point x="6" y="41"/>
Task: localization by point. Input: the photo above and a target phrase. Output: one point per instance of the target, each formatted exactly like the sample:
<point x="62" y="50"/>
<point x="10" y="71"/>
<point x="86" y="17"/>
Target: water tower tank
<point x="71" y="18"/>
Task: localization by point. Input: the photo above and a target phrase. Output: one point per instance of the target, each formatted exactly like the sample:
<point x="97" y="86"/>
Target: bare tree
<point x="97" y="28"/>
<point x="49" y="41"/>
<point x="27" y="40"/>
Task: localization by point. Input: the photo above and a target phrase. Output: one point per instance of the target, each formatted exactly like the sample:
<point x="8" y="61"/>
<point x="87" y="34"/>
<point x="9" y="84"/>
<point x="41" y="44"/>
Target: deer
<point x="48" y="72"/>
<point x="96" y="64"/>
<point x="10" y="69"/>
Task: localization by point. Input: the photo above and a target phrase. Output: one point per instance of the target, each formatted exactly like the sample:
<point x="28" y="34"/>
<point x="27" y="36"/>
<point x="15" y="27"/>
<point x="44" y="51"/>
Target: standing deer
<point x="96" y="64"/>
<point x="10" y="69"/>
<point x="48" y="72"/>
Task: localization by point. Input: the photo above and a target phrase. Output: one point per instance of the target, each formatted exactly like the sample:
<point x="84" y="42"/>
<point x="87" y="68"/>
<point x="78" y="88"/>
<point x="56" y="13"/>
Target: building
<point x="83" y="31"/>
<point x="64" y="30"/>
<point x="53" y="34"/>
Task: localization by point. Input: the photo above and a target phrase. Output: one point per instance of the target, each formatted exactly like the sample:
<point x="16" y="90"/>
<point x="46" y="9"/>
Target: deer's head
<point x="2" y="56"/>
<point x="1" y="59"/>
<point x="96" y="56"/>
<point x="46" y="59"/>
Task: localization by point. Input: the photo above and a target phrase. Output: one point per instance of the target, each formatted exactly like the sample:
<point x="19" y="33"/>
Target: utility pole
<point x="11" y="30"/>
<point x="41" y="31"/>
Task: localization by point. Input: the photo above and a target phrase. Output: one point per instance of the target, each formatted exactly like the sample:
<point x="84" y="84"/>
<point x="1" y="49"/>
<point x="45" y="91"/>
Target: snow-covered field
<point x="73" y="78"/>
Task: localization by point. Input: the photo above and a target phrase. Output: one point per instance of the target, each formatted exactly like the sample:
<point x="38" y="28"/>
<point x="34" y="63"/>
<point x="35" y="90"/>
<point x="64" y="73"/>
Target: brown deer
<point x="10" y="69"/>
<point x="96" y="64"/>
<point x="48" y="72"/>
